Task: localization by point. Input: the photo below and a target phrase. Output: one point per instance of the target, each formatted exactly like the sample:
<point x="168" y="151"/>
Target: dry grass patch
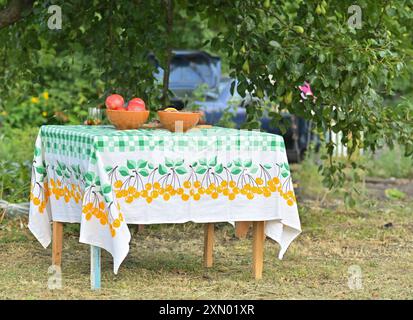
<point x="165" y="261"/>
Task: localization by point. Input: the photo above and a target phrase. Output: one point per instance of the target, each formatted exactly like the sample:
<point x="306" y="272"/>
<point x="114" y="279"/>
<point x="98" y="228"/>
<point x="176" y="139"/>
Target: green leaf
<point x="141" y="164"/>
<point x="284" y="174"/>
<point x="274" y="44"/>
<point x="219" y="168"/>
<point x="169" y="162"/>
<point x="203" y="161"/>
<point x="246" y="67"/>
<point x="229" y="164"/>
<point x="97" y="181"/>
<point x="131" y="164"/>
<point x="181" y="170"/>
<point x="267" y="166"/>
<point x="286" y="166"/>
<point x="247" y="163"/>
<point x="40" y="170"/>
<point x="162" y="170"/>
<point x="107" y="199"/>
<point x="394" y="194"/>
<point x="108" y="169"/>
<point x="288" y="98"/>
<point x="67" y="175"/>
<point x="201" y="170"/>
<point x="298" y="29"/>
<point x="37" y="152"/>
<point x="194" y="164"/>
<point x="107" y="188"/>
<point x="144" y="172"/>
<point x="124" y="171"/>
<point x="61" y="165"/>
<point x="59" y="173"/>
<point x="90" y="176"/>
<point x="349" y="200"/>
<point x="253" y="169"/>
<point x="237" y="162"/>
<point x="236" y="170"/>
<point x="150" y="166"/>
<point x="179" y="162"/>
<point x="321" y="58"/>
<point x="213" y="161"/>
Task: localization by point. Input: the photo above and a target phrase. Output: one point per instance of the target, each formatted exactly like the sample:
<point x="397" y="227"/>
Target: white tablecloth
<point x="105" y="179"/>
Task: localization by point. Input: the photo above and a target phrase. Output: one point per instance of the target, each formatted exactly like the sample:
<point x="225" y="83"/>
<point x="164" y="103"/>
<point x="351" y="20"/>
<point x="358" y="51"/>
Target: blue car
<point x="191" y="70"/>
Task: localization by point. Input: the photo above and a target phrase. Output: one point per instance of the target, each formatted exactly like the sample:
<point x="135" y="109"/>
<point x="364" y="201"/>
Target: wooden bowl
<point x="178" y="121"/>
<point x="124" y="120"/>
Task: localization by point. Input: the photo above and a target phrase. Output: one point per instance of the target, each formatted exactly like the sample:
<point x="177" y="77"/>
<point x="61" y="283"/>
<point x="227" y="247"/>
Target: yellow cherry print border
<point x="204" y="178"/>
<point x="68" y="183"/>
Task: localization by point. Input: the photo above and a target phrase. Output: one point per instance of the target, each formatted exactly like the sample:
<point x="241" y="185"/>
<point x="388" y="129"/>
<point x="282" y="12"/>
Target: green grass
<point x="165" y="261"/>
<point x="389" y="163"/>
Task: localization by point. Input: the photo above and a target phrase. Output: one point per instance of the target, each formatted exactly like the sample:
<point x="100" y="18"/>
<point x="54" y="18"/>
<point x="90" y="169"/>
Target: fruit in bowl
<point x="115" y="102"/>
<point x="136" y="104"/>
<point x="178" y="121"/>
<point x="170" y="109"/>
<point x="131" y="117"/>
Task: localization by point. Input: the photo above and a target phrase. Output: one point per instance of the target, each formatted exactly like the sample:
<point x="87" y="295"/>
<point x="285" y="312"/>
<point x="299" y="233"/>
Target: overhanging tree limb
<point x="169" y="24"/>
<point x="13" y="12"/>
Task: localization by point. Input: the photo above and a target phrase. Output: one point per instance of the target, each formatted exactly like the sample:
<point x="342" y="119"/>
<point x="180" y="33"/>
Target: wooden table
<point x="103" y="178"/>
<point x="258" y="236"/>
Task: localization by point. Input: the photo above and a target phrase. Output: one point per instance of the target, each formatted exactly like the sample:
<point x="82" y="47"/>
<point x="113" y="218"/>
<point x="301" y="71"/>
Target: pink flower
<point x="306" y="90"/>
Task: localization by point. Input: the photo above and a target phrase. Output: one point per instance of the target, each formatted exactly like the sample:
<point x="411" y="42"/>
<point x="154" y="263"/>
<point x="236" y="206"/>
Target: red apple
<point x="136" y="104"/>
<point x="135" y="107"/>
<point x="114" y="102"/>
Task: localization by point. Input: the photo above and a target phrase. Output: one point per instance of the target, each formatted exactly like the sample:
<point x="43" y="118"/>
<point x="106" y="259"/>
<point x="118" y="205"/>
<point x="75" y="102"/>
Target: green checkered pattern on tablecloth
<point x="61" y="140"/>
<point x="84" y="141"/>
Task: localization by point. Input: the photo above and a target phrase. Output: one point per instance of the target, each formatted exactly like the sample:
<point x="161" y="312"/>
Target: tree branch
<point x="13" y="12"/>
<point x="169" y="24"/>
<point x="386" y="2"/>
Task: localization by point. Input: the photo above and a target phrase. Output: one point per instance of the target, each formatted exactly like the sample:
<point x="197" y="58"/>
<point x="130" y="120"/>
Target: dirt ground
<point x="377" y="187"/>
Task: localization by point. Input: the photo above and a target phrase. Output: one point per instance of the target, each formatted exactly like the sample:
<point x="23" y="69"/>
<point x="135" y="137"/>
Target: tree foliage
<point x="269" y="46"/>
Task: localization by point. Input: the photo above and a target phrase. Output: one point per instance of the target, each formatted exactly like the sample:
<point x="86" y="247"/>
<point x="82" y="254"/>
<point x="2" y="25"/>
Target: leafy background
<point x="361" y="77"/>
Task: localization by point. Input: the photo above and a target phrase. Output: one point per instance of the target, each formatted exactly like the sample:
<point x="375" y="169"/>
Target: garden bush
<point x="389" y="163"/>
<point x="16" y="155"/>
<point x="61" y="94"/>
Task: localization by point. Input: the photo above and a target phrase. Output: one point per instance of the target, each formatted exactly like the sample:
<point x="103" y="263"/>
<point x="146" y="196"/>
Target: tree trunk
<point x="13" y="11"/>
<point x="169" y="23"/>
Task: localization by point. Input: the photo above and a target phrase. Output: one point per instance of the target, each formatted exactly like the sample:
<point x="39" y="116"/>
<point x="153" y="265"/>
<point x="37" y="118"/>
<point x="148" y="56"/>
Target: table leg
<point x="208" y="244"/>
<point x="257" y="248"/>
<point x="138" y="229"/>
<point x="94" y="268"/>
<point x="263" y="233"/>
<point x="241" y="229"/>
<point x="57" y="243"/>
